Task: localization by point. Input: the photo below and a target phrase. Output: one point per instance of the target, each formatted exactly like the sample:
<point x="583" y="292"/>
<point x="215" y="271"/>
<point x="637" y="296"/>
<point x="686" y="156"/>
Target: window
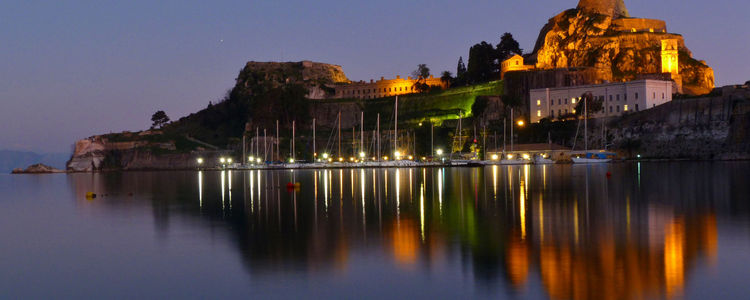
<point x="626" y="97"/>
<point x="566" y="100"/>
<point x="538" y="102"/>
<point x="610" y="108"/>
<point x="566" y="111"/>
<point x="625" y="107"/>
<point x="636" y="107"/>
<point x="662" y="95"/>
<point x="618" y="108"/>
<point x="636" y="96"/>
<point x="654" y="96"/>
<point x="610" y="98"/>
<point x="551" y="113"/>
<point x="573" y="100"/>
<point x="559" y="101"/>
<point x="538" y="113"/>
<point x="618" y="97"/>
<point x="559" y="112"/>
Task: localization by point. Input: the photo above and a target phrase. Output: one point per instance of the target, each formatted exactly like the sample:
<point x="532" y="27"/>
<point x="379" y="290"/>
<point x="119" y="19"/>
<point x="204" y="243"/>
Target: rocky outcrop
<point x="37" y="169"/>
<point x="596" y="35"/>
<point x="88" y="155"/>
<point x="313" y="75"/>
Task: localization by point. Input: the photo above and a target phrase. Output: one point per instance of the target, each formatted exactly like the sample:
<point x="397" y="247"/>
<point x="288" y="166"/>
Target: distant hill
<point x="10" y="159"/>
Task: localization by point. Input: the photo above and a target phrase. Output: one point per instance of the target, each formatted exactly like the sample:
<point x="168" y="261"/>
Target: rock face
<point x="37" y="169"/>
<point x="599" y="35"/>
<point x="313" y="75"/>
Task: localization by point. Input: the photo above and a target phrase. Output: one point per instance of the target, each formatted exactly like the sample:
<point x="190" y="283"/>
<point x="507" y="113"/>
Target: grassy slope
<point x="436" y="106"/>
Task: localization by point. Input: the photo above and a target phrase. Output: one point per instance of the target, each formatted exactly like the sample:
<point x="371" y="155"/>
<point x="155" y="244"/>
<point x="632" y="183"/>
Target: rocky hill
<point x="599" y="34"/>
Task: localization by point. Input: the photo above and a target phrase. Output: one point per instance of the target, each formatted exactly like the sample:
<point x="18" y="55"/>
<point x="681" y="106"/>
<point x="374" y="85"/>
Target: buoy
<point x="296" y="184"/>
<point x="609" y="174"/>
<point x="90" y="195"/>
<point x="290" y="185"/>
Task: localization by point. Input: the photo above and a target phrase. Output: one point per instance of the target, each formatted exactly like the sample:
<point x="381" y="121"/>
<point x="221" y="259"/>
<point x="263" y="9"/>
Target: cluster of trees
<point x="484" y="62"/>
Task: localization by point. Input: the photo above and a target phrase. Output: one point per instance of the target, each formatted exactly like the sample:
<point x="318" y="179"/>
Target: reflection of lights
<point x="440" y="189"/>
<point x="398" y="183"/>
<point x="494" y="157"/>
<point x="405" y="242"/>
<point x="494" y="181"/>
<point x="200" y="188"/>
<point x="517" y="259"/>
<point x="421" y="209"/>
<point x="674" y="268"/>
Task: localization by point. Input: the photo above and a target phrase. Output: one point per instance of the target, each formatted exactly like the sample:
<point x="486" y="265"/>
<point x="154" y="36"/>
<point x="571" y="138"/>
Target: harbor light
<point x="351" y="158"/>
<point x="385" y="157"/>
<point x="251" y="159"/>
<point x="520" y="123"/>
<point x="439" y="152"/>
<point x="411" y="157"/>
<point x="494" y="156"/>
<point x="222" y="160"/>
<point x="341" y="159"/>
<point x="258" y="160"/>
<point x="229" y="160"/>
<point x="199" y="161"/>
<point x="510" y="156"/>
<point x="291" y="160"/>
<point x="397" y="155"/>
<point x="325" y="155"/>
<point x="362" y="155"/>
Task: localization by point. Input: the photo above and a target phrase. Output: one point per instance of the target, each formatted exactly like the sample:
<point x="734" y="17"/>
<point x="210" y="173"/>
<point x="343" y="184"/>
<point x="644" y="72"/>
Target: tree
<point x="593" y="104"/>
<point x="508" y="46"/>
<point x="421" y="73"/>
<point x="447" y="77"/>
<point x="159" y="118"/>
<point x="461" y="68"/>
<point x="483" y="63"/>
<point x="479" y="107"/>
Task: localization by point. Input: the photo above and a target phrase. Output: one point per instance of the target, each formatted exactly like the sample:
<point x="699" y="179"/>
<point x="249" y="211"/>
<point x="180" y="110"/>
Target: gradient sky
<point x="72" y="69"/>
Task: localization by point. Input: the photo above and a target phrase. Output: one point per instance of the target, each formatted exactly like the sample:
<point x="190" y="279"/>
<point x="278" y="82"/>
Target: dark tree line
<point x="484" y="62"/>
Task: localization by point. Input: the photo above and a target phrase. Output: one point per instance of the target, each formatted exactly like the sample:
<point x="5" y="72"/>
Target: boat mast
<point x="378" y="135"/>
<point x="293" y="140"/>
<point x="315" y="153"/>
<point x="395" y="130"/>
<point x="511" y="129"/>
<point x="361" y="131"/>
<point x="585" y="125"/>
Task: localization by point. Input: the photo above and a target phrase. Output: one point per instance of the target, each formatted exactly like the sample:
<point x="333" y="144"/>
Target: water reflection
<point x="571" y="230"/>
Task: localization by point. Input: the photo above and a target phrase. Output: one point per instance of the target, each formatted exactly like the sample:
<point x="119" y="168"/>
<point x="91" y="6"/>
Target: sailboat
<point x="589" y="157"/>
<point x="543" y="158"/>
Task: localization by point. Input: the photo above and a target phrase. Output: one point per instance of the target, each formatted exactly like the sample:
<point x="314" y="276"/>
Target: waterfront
<point x="624" y="230"/>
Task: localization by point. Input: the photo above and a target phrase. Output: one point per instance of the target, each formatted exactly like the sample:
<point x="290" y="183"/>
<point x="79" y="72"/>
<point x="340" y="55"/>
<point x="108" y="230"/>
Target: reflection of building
<point x="384" y="87"/>
<point x="617" y="98"/>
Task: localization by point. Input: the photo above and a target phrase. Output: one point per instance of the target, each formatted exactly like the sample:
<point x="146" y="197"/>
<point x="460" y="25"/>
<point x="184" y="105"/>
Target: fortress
<point x="384" y="87"/>
<point x="599" y="42"/>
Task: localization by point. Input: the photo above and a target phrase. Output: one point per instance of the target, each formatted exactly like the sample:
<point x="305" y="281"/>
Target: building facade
<point x="383" y="87"/>
<point x="618" y="98"/>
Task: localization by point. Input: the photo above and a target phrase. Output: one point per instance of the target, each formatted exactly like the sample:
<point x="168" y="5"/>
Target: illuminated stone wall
<point x="383" y="87"/>
<point x="514" y="63"/>
<point x="612" y="8"/>
<point x="638" y="25"/>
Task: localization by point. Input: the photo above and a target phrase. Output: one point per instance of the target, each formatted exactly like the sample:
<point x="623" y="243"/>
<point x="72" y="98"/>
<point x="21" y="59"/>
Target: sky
<point x="73" y="69"/>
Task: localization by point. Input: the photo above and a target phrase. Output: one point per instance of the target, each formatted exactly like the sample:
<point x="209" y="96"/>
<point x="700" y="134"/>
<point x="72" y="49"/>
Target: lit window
<point x="538" y="102"/>
<point x="625" y="107"/>
<point x="538" y="113"/>
<point x="573" y="100"/>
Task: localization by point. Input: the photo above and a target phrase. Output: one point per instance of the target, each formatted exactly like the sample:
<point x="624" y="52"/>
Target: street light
<point x="222" y="160"/>
<point x="229" y="160"/>
<point x="520" y="123"/>
<point x="199" y="160"/>
<point x="494" y="156"/>
<point x="362" y="155"/>
<point x="439" y="152"/>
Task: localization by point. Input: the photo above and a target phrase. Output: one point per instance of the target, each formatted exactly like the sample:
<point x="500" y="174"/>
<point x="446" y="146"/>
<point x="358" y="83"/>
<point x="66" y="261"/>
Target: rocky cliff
<point x="598" y="35"/>
<point x="313" y="75"/>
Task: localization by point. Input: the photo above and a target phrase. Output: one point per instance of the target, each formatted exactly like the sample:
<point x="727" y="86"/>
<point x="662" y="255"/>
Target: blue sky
<point x="71" y="69"/>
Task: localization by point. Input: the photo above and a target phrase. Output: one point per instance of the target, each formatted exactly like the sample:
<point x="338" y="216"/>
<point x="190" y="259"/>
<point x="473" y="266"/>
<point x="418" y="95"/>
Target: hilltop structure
<point x="599" y="42"/>
<point x="385" y="87"/>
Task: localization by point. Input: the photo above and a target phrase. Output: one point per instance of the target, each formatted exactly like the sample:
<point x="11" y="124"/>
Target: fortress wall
<point x="639" y="24"/>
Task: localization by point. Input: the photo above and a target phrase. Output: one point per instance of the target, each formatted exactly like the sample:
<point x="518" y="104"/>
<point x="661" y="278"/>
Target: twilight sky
<point x="72" y="69"/>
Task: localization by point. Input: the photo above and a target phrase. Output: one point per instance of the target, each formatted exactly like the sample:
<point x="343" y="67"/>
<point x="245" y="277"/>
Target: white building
<point x="619" y="97"/>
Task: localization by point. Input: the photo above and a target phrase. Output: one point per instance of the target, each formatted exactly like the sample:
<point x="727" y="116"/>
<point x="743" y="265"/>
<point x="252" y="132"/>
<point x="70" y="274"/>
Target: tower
<point x="613" y="8"/>
<point x="670" y="57"/>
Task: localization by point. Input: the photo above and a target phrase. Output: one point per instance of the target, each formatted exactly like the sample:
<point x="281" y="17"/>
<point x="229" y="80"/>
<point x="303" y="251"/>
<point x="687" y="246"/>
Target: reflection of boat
<point x="593" y="158"/>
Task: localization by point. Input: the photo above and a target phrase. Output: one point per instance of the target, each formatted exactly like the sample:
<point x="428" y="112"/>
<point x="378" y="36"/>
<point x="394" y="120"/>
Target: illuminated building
<point x="618" y="98"/>
<point x="384" y="87"/>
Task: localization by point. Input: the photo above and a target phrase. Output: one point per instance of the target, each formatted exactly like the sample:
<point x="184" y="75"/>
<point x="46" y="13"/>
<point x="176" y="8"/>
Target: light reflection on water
<point x="561" y="231"/>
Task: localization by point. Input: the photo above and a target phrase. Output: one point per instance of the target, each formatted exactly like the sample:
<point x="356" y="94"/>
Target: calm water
<point x="650" y="230"/>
